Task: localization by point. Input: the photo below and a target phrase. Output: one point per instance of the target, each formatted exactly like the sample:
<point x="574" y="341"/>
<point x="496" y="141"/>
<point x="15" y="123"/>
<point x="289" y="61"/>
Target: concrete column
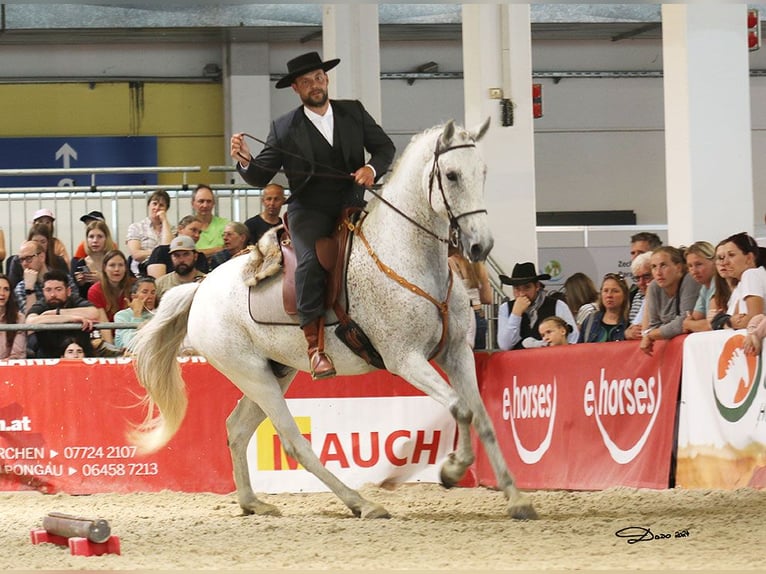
<point x="350" y="32"/>
<point x="247" y="94"/>
<point x="707" y="121"/>
<point x="497" y="55"/>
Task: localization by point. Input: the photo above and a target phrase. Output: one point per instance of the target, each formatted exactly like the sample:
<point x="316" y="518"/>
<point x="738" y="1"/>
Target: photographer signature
<point x="635" y="534"/>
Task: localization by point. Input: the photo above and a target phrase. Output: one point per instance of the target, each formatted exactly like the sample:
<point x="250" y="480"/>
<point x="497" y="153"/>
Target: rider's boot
<point x="319" y="362"/>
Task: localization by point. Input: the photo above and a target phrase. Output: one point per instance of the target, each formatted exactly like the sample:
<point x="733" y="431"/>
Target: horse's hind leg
<point x="240" y="426"/>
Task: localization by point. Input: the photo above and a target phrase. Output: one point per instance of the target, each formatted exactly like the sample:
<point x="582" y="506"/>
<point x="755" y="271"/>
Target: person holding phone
<point x="87" y="271"/>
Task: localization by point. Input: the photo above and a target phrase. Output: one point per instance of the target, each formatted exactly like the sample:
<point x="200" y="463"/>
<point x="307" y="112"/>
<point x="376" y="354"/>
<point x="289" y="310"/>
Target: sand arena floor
<point x="431" y="529"/>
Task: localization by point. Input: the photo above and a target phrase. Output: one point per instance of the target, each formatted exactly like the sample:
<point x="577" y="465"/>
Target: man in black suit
<point x="321" y="146"/>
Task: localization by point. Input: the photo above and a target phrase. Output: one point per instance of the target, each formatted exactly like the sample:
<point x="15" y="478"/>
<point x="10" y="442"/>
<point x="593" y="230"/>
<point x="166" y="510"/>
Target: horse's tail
<point x="154" y="349"/>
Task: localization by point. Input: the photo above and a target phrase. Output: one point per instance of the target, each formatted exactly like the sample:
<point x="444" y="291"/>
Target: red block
<point x="77" y="546"/>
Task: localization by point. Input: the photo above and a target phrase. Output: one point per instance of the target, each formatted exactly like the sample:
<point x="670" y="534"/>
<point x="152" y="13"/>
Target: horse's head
<point x="456" y="188"/>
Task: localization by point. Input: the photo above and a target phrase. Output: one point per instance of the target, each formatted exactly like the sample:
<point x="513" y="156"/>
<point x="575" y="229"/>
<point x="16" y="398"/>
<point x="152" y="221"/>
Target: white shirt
<point x="325" y="124"/>
<point x="752" y="283"/>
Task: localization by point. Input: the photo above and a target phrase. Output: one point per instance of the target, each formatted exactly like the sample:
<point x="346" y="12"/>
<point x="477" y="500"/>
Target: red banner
<point x="572" y="419"/>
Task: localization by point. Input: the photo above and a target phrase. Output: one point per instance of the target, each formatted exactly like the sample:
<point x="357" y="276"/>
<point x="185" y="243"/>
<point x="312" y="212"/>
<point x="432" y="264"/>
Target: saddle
<point x="333" y="253"/>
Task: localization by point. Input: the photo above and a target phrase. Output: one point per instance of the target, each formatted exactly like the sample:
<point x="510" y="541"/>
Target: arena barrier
<point x="584" y="417"/>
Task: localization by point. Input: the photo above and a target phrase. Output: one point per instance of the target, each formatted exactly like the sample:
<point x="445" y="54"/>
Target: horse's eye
<point x="452" y="176"/>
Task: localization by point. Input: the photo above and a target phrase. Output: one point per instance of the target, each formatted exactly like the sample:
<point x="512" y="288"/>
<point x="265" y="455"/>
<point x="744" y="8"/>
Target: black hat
<point x="523" y="273"/>
<point x="304" y="64"/>
<point x="92" y="216"/>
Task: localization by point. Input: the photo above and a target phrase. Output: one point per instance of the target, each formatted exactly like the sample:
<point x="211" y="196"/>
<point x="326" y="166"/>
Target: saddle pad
<point x="266" y="305"/>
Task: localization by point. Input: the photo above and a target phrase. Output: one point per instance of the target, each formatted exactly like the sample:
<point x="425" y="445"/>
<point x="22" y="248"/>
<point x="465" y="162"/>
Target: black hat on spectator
<point x="92" y="216"/>
<point x="523" y="273"/>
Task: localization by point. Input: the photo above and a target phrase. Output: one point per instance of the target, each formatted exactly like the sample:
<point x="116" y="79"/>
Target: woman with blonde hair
<point x="98" y="242"/>
<point x="700" y="263"/>
<point x="476" y="282"/>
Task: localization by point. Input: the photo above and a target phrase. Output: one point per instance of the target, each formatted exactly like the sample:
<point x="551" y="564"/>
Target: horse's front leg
<point x="459" y="364"/>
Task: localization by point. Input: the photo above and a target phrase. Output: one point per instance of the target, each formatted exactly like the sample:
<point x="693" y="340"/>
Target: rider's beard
<point x="316" y="100"/>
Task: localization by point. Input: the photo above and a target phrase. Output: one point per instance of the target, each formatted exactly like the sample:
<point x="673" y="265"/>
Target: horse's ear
<point x="482" y="130"/>
<point x="447" y="133"/>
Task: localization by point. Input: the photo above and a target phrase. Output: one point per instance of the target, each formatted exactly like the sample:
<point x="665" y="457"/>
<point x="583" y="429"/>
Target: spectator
<point x="71" y="350"/>
<point x="211" y="238"/>
<point x="111" y="293"/>
<point x="153" y="230"/>
<point x="42" y="234"/>
<point x="80" y="252"/>
<point x="581" y="297"/>
<point x="700" y="261"/>
<point x="29" y="290"/>
<point x="60" y="305"/>
<point x="743" y="265"/>
<point x="641" y="269"/>
<point x="87" y="271"/>
<point x="160" y="263"/>
<point x="184" y="253"/>
<point x="272" y="200"/>
<point x="610" y="322"/>
<point x="476" y="282"/>
<point x="756" y="331"/>
<point x="46" y="217"/>
<point x="235" y="240"/>
<point x="723" y="287"/>
<point x="643" y="242"/>
<point x="143" y="299"/>
<point x="669" y="297"/>
<point x="13" y="344"/>
<point x="519" y="320"/>
<point x="554" y="331"/>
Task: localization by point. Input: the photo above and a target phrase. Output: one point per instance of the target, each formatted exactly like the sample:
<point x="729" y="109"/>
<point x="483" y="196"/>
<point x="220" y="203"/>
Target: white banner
<point x="722" y="418"/>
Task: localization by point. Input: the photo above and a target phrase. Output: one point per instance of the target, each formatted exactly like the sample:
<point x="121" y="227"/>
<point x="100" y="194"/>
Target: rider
<point x="317" y="144"/>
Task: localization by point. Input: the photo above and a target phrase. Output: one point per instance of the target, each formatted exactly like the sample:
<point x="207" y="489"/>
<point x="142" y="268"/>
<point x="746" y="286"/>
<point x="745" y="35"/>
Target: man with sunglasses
<point x="641" y="268"/>
<point x="321" y="147"/>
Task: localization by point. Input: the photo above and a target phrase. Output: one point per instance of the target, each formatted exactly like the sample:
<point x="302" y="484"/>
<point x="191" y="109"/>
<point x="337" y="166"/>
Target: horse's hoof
<point x="446" y="480"/>
<point x="260" y="508"/>
<point x="523" y="511"/>
<point x="373" y="510"/>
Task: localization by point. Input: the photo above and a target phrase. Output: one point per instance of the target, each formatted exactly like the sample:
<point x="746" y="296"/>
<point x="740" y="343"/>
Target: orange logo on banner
<point x="736" y="382"/>
<point x="271" y="455"/>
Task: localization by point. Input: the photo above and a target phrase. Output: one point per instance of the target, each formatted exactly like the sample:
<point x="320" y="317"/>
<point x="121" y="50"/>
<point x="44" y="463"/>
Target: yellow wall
<point x="186" y="118"/>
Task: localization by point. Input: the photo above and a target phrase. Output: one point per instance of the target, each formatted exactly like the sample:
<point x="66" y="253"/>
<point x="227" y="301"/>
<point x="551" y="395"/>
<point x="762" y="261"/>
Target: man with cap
<point x="183" y="252"/>
<point x="80" y="252"/>
<point x="518" y="320"/>
<point x="46" y="217"/>
<point x="321" y="146"/>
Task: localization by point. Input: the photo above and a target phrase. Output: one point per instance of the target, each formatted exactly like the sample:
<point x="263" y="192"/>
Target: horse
<point x="399" y="290"/>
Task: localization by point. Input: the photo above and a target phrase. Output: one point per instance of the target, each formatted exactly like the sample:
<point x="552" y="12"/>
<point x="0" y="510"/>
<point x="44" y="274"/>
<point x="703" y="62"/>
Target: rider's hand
<point x="239" y="150"/>
<point x="364" y="176"/>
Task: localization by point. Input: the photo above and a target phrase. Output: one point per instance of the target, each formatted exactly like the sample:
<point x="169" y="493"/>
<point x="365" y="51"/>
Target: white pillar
<point x="707" y="121"/>
<point x="350" y="32"/>
<point x="247" y="94"/>
<point x="497" y="54"/>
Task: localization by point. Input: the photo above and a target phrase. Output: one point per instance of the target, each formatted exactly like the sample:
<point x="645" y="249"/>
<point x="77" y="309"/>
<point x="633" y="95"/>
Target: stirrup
<point x="317" y="359"/>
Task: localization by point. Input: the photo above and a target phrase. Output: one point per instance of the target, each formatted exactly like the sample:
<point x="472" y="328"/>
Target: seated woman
<point x="13" y="344"/>
<point x="87" y="271"/>
<point x="112" y="292"/>
<point x="610" y="322"/>
<point x="743" y="265"/>
<point x="700" y="262"/>
<point x="143" y="299"/>
<point x="71" y="350"/>
<point x="153" y="230"/>
<point x="581" y="296"/>
<point x="669" y="298"/>
<point x="554" y="331"/>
